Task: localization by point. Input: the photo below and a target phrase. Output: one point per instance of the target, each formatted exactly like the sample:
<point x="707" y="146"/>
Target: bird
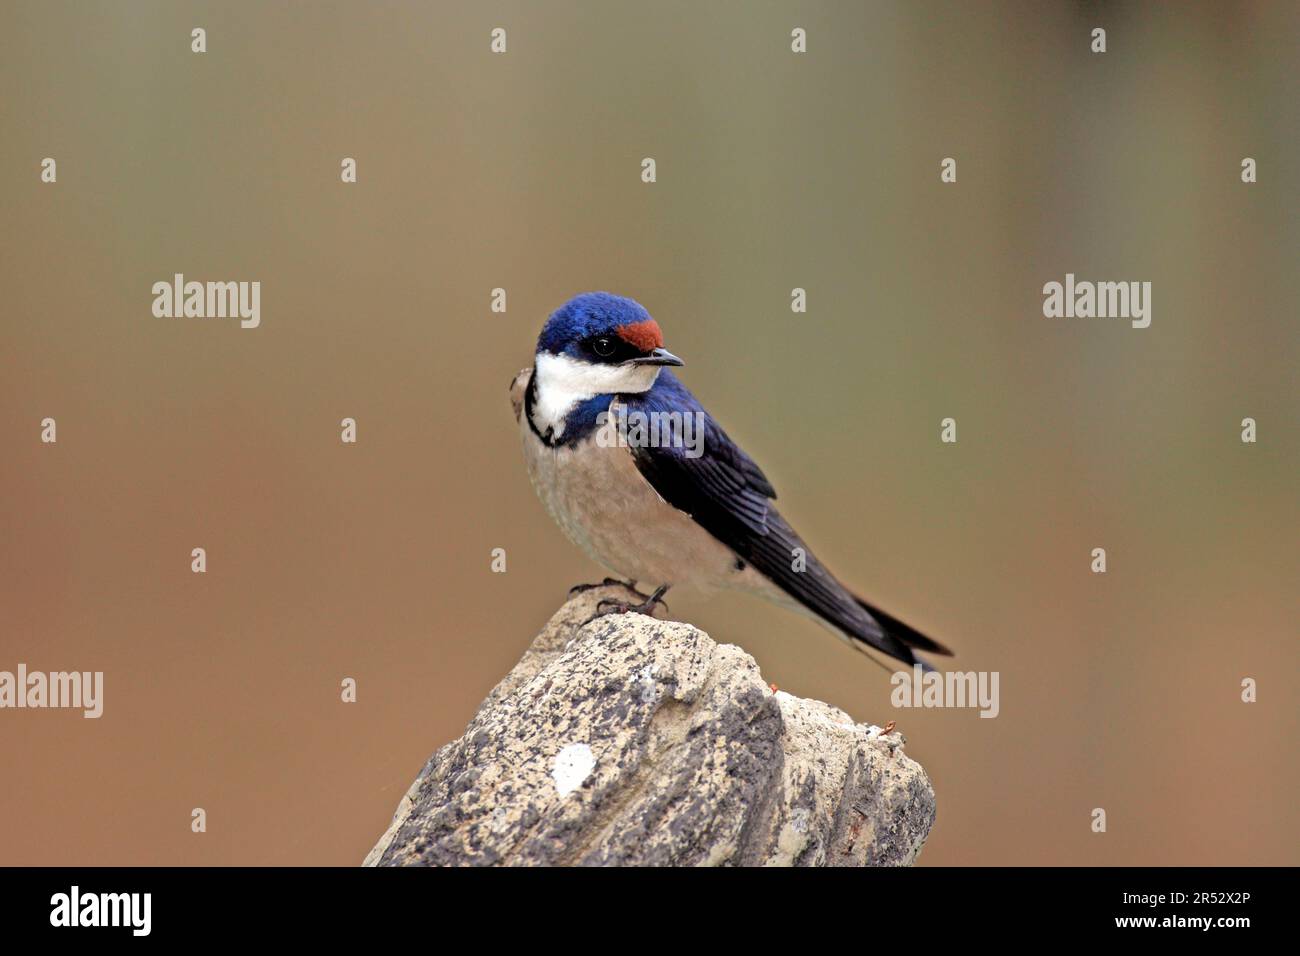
<point x="691" y="508"/>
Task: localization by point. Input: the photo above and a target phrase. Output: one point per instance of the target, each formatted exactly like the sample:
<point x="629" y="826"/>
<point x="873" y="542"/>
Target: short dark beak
<point x="658" y="357"/>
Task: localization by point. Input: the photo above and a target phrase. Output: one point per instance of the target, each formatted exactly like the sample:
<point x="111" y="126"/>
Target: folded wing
<point x="727" y="494"/>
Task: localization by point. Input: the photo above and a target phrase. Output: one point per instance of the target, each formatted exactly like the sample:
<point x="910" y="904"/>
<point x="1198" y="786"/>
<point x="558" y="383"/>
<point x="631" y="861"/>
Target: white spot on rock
<point x="573" y="765"/>
<point x="646" y="679"/>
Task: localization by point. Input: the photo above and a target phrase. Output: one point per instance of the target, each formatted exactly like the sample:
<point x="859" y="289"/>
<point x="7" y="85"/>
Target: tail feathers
<point x="908" y="635"/>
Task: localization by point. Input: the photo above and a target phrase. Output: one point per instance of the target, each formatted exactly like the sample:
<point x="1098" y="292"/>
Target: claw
<point x="609" y="606"/>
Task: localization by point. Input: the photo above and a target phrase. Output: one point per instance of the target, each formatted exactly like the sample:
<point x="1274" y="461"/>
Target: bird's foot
<point x="608" y="582"/>
<point x="647" y="607"/>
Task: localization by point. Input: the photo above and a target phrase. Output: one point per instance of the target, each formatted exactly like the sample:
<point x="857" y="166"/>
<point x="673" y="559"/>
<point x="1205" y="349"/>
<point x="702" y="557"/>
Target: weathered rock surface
<point x="635" y="741"/>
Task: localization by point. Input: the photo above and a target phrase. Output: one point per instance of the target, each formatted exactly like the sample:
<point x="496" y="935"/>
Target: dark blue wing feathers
<point x="730" y="497"/>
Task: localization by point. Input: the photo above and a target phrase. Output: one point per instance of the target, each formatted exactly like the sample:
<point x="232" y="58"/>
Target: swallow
<point x="689" y="508"/>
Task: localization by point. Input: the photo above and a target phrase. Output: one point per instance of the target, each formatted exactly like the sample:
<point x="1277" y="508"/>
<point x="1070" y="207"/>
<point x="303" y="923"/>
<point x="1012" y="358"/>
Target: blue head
<point x="598" y="328"/>
<point x="593" y="346"/>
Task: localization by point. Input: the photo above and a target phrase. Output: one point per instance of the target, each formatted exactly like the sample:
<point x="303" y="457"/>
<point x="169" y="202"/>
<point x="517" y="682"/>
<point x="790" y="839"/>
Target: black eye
<point x="603" y="346"/>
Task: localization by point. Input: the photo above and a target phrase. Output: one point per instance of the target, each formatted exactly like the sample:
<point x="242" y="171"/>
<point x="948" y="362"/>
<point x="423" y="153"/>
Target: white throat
<point x="562" y="382"/>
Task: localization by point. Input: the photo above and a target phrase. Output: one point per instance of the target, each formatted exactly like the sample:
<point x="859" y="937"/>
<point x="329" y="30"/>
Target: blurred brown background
<point x="522" y="171"/>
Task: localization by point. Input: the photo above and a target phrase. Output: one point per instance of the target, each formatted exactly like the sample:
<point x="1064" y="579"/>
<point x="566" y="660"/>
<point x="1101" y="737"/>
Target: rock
<point x="631" y="740"/>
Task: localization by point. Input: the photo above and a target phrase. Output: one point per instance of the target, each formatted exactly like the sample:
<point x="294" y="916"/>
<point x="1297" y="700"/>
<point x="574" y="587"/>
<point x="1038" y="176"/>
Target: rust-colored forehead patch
<point x="644" y="335"/>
